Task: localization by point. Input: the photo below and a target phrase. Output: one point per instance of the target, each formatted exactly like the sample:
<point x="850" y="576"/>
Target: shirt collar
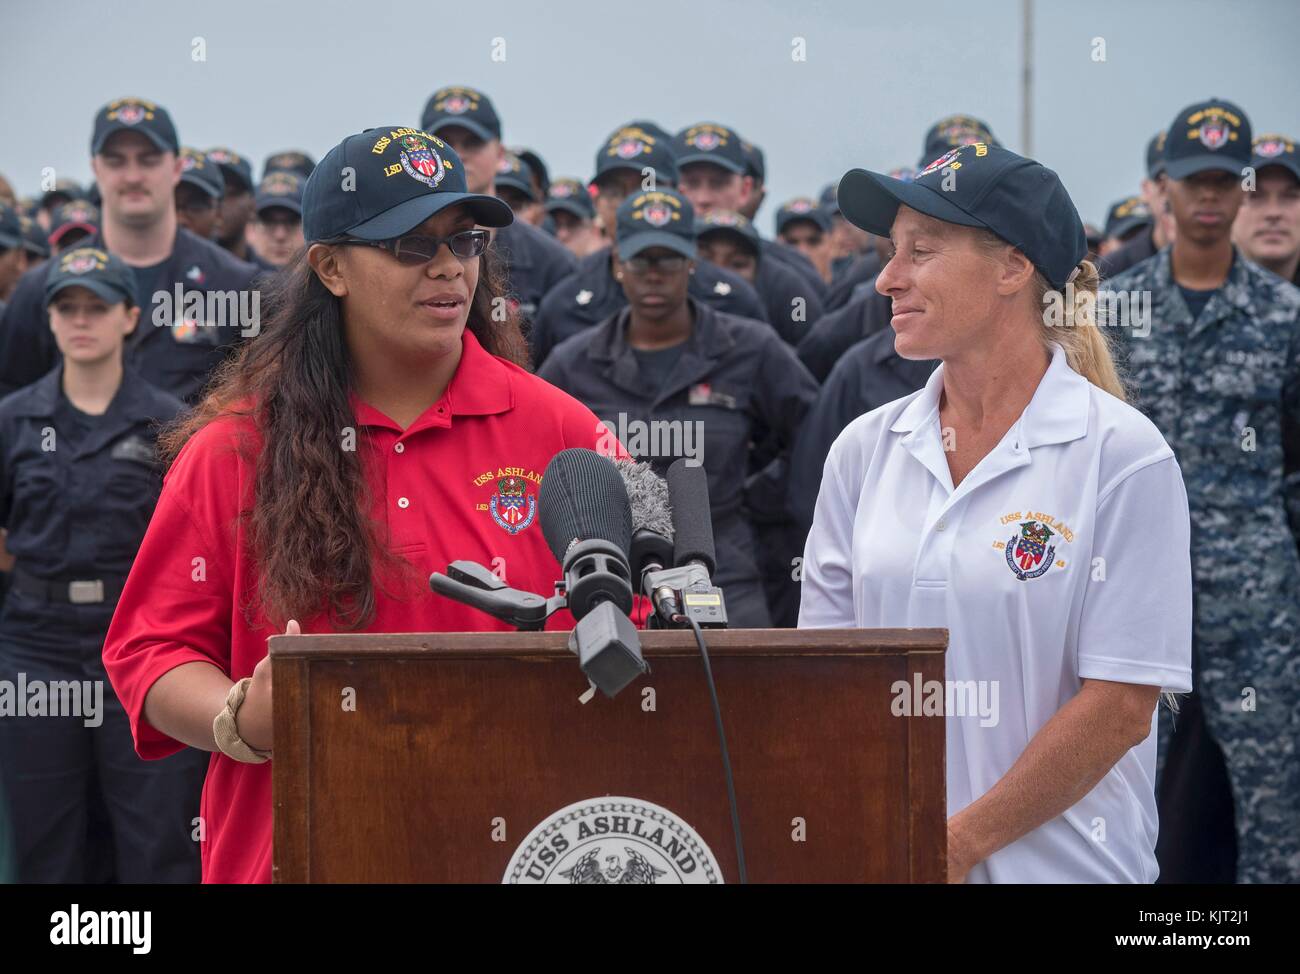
<point x="1057" y="413"/>
<point x="481" y="386"/>
<point x="42" y="398"/>
<point x="707" y="339"/>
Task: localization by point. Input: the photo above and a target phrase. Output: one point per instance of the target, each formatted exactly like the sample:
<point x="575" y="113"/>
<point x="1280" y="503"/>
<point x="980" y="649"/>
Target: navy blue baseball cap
<point x="635" y="148"/>
<point x="35" y="240"/>
<point x="708" y="142"/>
<point x="731" y="223"/>
<point x="1210" y="136"/>
<point x="233" y="166"/>
<point x="64" y="191"/>
<point x="96" y="270"/>
<point x="1275" y="150"/>
<point x="282" y="189"/>
<point x="515" y="173"/>
<point x="802" y="208"/>
<point x="1128" y="214"/>
<point x="952" y="131"/>
<point x="1018" y="199"/>
<point x="755" y="162"/>
<point x="383" y="182"/>
<point x="538" y="165"/>
<point x="198" y="171"/>
<point x="572" y="197"/>
<point x="468" y="108"/>
<point x="11" y="227"/>
<point x="77" y="215"/>
<point x="658" y="218"/>
<point x="134" y="115"/>
<point x="829" y="199"/>
<point x="645" y="125"/>
<point x="289" y="160"/>
<point x="1156" y="155"/>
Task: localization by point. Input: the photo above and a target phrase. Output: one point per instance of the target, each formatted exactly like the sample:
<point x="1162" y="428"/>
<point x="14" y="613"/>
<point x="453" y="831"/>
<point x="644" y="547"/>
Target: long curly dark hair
<point x="315" y="545"/>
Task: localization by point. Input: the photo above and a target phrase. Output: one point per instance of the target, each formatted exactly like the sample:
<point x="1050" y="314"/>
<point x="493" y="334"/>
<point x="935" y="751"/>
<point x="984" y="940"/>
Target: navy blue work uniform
<point x="857" y="271"/>
<point x="869" y="375"/>
<point x="838" y="331"/>
<point x="792" y="306"/>
<point x="591" y="294"/>
<point x="734" y="381"/>
<point x="76" y="494"/>
<point x="1130" y="254"/>
<point x="779" y="286"/>
<point x="536" y="262"/>
<point x="176" y="356"/>
<point x="779" y="252"/>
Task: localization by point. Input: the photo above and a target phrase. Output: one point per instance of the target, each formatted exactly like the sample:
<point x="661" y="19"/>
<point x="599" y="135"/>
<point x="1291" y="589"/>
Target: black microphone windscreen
<point x="583" y="498"/>
<point x="688" y="488"/>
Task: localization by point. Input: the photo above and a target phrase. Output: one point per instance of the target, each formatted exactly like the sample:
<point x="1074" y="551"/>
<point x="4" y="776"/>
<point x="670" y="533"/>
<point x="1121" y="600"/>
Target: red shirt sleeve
<point x="176" y="605"/>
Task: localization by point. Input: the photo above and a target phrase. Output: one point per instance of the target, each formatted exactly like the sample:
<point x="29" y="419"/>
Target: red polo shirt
<point x="460" y="482"/>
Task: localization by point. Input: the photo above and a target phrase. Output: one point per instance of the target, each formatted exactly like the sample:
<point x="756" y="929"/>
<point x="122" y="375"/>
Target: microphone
<point x="586" y="520"/>
<point x="685" y="592"/>
<point x="683" y="596"/>
<point x="688" y="490"/>
<point x="652" y="518"/>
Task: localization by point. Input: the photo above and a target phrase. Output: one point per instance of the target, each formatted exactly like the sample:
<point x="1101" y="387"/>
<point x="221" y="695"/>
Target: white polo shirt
<point x="1063" y="556"/>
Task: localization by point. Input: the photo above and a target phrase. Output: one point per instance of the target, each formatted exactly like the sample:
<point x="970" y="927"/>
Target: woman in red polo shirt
<point x="370" y="434"/>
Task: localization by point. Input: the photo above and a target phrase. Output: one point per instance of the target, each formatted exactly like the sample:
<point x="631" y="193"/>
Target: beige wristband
<point x="226" y="733"/>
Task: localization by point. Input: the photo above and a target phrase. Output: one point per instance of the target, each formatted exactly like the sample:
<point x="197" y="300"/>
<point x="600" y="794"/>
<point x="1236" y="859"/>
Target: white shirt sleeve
<point x="826" y="601"/>
<point x="1136" y="623"/>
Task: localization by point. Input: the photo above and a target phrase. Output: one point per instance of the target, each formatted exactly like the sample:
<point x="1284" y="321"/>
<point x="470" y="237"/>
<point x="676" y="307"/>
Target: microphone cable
<point x="722" y="741"/>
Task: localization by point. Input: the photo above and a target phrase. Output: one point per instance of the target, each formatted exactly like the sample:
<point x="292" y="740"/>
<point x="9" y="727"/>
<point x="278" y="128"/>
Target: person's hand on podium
<point x="254" y="718"/>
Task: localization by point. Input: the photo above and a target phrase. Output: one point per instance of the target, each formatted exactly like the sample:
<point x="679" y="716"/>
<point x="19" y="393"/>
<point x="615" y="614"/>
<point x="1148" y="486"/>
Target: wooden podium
<point x="429" y="757"/>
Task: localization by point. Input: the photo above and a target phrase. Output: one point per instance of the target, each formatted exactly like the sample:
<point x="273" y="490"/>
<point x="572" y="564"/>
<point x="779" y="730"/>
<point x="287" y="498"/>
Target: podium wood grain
<point x="453" y="731"/>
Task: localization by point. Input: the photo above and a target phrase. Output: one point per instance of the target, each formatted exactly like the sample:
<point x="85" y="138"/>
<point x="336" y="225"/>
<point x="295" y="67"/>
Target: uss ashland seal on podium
<point x="613" y="840"/>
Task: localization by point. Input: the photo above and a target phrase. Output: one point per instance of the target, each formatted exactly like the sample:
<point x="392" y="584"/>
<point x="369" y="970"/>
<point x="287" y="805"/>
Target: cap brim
<point x="517" y="185"/>
<point x="751" y="243"/>
<point x="1289" y="164"/>
<point x="714" y="160"/>
<point x="207" y="187"/>
<point x="638" y="242"/>
<point x="110" y="294"/>
<point x="487" y="211"/>
<point x="870" y="200"/>
<point x="568" y="206"/>
<point x="278" y="203"/>
<point x="59" y="232"/>
<point x="1182" y="168"/>
<point x="784" y="221"/>
<point x="1122" y="227"/>
<point x="151" y="135"/>
<point x="468" y="124"/>
<point x="9" y="241"/>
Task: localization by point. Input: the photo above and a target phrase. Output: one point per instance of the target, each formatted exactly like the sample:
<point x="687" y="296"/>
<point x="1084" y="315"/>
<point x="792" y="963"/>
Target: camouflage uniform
<point x="1225" y="392"/>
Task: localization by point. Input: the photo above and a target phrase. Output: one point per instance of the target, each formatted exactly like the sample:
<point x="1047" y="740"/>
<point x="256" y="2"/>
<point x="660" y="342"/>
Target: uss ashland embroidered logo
<point x="1032" y="551"/>
<point x="613" y="840"/>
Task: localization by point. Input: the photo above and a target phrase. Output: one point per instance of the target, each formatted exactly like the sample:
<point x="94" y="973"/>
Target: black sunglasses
<point x="414" y="249"/>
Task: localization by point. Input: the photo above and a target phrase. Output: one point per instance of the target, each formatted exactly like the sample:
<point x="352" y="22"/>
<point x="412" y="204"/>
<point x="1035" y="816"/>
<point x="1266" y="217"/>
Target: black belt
<point x="77" y="591"/>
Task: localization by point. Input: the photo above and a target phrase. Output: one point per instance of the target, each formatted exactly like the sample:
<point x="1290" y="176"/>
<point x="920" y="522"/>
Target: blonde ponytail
<point x="1078" y="331"/>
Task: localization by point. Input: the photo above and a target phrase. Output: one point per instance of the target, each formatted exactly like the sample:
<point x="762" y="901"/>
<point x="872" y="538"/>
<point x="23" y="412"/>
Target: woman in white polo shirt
<point x="1020" y="503"/>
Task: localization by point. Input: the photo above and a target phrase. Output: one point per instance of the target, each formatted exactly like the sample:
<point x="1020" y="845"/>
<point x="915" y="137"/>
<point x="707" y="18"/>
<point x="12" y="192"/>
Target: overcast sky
<point x="306" y="73"/>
